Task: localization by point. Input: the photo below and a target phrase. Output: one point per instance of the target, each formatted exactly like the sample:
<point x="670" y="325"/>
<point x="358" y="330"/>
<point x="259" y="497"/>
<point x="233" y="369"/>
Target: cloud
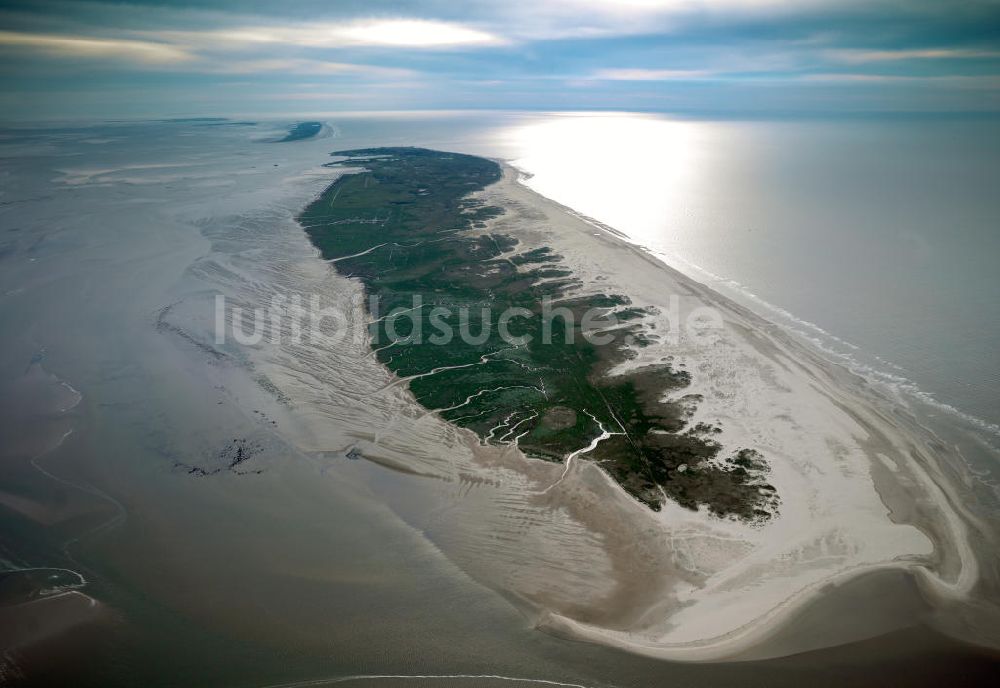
<point x="960" y="81"/>
<point x="147" y="52"/>
<point x="648" y="74"/>
<point x="648" y="7"/>
<point x="157" y="55"/>
<point x="609" y="53"/>
<point x="531" y="20"/>
<point x="867" y="56"/>
<point x="297" y="66"/>
<point x="416" y="33"/>
<point x="387" y="33"/>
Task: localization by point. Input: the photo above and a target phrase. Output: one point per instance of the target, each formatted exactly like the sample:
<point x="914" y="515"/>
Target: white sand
<point x="859" y="485"/>
<point x="827" y="444"/>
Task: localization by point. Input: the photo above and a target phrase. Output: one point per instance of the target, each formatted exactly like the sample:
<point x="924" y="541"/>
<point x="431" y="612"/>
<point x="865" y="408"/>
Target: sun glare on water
<point x="630" y="171"/>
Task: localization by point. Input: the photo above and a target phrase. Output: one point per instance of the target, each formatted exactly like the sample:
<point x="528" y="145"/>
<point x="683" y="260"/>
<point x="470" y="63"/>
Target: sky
<point x="68" y="60"/>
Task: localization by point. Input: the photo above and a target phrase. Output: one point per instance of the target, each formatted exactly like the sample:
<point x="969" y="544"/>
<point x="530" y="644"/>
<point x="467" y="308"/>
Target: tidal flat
<point x="303" y="566"/>
<point x="408" y="226"/>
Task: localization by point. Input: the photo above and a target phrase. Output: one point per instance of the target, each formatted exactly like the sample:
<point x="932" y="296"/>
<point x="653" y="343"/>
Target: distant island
<point x="302" y="130"/>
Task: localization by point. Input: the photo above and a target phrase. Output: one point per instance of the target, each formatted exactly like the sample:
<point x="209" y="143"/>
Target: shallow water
<point x="115" y="239"/>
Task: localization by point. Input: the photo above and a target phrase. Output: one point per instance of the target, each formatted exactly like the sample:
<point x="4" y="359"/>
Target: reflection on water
<point x="300" y="572"/>
<point x="874" y="238"/>
<point x="629" y="171"/>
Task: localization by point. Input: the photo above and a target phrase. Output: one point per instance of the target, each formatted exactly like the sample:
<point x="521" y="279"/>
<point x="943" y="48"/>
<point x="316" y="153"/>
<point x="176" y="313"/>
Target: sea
<point x="875" y="238"/>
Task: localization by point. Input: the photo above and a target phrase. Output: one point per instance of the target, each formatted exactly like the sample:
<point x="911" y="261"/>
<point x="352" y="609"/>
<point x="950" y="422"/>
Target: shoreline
<point x="444" y="564"/>
<point x="677" y="584"/>
<point x="553" y="391"/>
<point x="814" y="335"/>
<point x="641" y="580"/>
<point x="952" y="550"/>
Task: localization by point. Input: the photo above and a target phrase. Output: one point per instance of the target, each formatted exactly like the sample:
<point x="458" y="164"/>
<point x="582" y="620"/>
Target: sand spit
<point x="862" y="487"/>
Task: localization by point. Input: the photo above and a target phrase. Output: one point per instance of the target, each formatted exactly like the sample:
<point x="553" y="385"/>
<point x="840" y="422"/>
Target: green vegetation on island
<point x="408" y="228"/>
<point x="302" y="130"/>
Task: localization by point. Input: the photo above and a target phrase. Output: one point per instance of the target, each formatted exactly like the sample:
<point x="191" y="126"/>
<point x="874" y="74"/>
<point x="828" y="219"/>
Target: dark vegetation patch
<point x="302" y="130"/>
<point x="408" y="229"/>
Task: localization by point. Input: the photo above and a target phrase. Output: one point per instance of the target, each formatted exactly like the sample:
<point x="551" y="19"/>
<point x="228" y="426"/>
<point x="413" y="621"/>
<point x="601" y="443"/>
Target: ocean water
<point x="875" y="238"/>
<point x="879" y="233"/>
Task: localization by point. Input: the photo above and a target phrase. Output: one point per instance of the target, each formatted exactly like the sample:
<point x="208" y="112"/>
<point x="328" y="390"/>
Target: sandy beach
<point x="359" y="519"/>
<point x="863" y="489"/>
<point x="578" y="343"/>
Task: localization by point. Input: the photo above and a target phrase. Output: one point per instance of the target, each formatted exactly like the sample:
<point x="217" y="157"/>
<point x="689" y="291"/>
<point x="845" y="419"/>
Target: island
<point x="302" y="130"/>
<point x="406" y="222"/>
